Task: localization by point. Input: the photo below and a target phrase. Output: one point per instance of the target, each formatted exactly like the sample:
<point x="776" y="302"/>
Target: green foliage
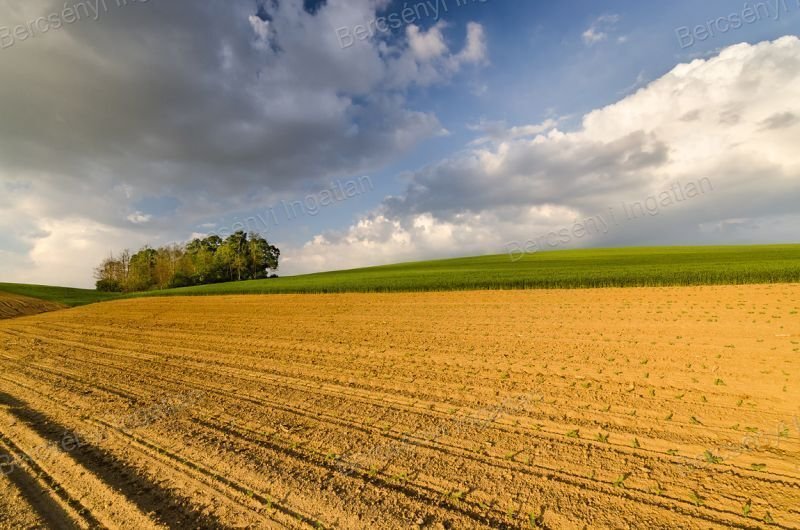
<point x="202" y="261"/>
<point x="627" y="267"/>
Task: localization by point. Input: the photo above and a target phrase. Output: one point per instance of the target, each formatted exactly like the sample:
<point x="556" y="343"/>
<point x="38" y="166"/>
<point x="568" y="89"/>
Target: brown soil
<point x="14" y="305"/>
<point x="608" y="408"/>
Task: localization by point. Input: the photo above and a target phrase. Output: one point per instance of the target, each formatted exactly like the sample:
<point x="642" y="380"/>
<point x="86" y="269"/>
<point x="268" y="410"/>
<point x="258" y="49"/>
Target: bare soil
<point x="606" y="408"/>
<point x="14" y="305"/>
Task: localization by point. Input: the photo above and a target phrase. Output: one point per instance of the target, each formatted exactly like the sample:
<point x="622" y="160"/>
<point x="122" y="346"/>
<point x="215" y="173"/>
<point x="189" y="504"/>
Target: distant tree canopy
<point x="202" y="261"/>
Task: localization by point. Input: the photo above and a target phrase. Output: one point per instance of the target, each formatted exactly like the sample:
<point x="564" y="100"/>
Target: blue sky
<point x="464" y="124"/>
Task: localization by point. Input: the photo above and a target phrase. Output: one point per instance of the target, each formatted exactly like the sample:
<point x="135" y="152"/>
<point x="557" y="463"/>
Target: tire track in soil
<point x="548" y="473"/>
<point x="332" y="394"/>
<point x="257" y="402"/>
<point x="551" y="436"/>
<point x="166" y="456"/>
<point x="41" y="492"/>
<point x="146" y="494"/>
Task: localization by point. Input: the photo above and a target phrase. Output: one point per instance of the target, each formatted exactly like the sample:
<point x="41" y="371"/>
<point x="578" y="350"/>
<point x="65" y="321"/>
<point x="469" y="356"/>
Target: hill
<point x="625" y="267"/>
<point x="67" y="296"/>
<point x="14" y="305"/>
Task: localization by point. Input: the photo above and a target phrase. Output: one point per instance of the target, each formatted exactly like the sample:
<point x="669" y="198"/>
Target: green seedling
<point x="620" y="482"/>
<point x="696" y="498"/>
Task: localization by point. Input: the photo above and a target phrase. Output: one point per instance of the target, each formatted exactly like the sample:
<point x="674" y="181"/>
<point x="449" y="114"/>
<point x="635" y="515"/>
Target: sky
<point x="357" y="132"/>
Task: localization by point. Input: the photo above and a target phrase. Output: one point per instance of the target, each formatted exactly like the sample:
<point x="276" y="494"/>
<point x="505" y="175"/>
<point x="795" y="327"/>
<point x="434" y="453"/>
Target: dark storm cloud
<point x="203" y="98"/>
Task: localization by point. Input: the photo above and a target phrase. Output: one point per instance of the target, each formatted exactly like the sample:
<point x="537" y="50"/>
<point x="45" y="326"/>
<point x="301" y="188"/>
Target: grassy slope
<point x="562" y="269"/>
<point x="62" y="295"/>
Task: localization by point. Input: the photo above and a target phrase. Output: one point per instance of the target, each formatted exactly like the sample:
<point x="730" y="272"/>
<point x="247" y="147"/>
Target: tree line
<point x="240" y="256"/>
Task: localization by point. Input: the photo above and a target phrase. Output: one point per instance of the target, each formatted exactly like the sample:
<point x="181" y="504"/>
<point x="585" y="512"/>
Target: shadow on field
<point x="148" y="496"/>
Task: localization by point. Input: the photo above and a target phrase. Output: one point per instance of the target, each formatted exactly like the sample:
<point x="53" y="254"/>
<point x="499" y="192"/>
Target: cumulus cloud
<point x="215" y="106"/>
<point x="719" y="119"/>
<point x="429" y="45"/>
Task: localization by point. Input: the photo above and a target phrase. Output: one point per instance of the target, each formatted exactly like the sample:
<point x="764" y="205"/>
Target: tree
<point x="201" y="261"/>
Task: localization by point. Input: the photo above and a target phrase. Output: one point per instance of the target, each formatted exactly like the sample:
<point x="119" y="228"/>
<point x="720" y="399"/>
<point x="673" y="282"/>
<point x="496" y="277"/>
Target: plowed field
<point x="13" y="305"/>
<point x="606" y="408"/>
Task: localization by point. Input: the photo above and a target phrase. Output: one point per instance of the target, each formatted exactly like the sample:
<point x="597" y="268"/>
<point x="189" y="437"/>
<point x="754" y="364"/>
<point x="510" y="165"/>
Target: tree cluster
<point x="202" y="261"/>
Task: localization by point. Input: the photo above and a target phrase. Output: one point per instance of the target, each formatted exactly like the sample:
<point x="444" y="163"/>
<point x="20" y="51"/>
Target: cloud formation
<point x="600" y="29"/>
<point x="213" y="106"/>
<point x="720" y="119"/>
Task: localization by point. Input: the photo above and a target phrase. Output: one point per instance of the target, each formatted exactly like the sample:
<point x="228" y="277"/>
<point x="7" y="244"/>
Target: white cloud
<point x="261" y="29"/>
<point x="72" y="247"/>
<point x="212" y="110"/>
<point x="720" y="119"/>
<point x="475" y="51"/>
<point x="139" y="218"/>
<point x="429" y="45"/>
<point x="600" y="29"/>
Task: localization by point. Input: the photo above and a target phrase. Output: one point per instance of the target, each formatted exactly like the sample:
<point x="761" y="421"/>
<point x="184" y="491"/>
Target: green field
<point x="62" y="295"/>
<point x="626" y="267"/>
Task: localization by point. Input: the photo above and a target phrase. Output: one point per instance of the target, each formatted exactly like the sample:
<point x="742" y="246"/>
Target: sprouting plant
<point x="711" y="458"/>
<point x="784" y="433"/>
<point x="719" y="382"/>
<point x="695" y="421"/>
<point x="768" y="519"/>
<point x="758" y="467"/>
<point x="602" y="437"/>
<point x="669" y="417"/>
<point x="536" y="521"/>
<point x="573" y="434"/>
<point x="458" y="495"/>
<point x="696" y="498"/>
<point x="680" y="396"/>
<point x="620" y="482"/>
<point x="635" y="444"/>
<point x="747" y="507"/>
<point x="672" y="452"/>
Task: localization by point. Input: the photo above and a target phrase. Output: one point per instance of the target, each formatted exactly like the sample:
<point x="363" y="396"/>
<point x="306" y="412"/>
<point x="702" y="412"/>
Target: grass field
<point x="62" y="295"/>
<point x="626" y="267"/>
<point x="651" y="408"/>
